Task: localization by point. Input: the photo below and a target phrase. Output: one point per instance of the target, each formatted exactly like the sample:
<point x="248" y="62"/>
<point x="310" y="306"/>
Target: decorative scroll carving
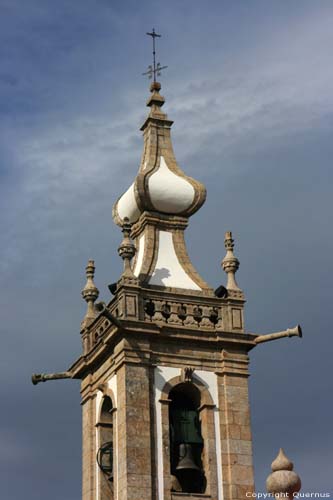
<point x="187" y="374"/>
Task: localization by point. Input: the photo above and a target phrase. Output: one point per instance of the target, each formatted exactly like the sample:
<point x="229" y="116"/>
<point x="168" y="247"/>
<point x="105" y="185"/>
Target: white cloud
<point x="280" y="87"/>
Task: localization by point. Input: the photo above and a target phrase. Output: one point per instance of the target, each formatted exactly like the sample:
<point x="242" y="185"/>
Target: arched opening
<point x="186" y="442"/>
<point x="106" y="449"/>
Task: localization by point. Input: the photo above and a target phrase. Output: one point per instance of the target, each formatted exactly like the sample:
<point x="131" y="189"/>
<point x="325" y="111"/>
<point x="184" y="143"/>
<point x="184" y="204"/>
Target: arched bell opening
<point x="105" y="454"/>
<point x="186" y="442"/>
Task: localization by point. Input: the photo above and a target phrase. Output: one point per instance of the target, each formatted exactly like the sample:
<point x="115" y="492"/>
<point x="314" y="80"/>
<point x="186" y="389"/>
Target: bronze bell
<point x="186" y="460"/>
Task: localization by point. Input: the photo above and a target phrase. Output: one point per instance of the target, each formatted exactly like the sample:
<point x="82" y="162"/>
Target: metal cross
<point x="154" y="69"/>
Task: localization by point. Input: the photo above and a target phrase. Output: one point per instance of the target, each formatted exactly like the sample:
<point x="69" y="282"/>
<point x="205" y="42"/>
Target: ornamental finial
<point x="155" y="101"/>
<point x="283" y="482"/>
<point x="230" y="263"/>
<point x="155" y="68"/>
<point x="90" y="294"/>
<point x="126" y="249"/>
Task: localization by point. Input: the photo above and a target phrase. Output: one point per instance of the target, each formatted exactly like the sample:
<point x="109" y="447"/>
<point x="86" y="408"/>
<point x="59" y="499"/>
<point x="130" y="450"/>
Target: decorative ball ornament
<point x="283" y="482"/>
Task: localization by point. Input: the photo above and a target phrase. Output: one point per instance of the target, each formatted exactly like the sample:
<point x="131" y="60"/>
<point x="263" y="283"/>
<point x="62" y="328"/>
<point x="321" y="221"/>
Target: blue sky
<point x="249" y="86"/>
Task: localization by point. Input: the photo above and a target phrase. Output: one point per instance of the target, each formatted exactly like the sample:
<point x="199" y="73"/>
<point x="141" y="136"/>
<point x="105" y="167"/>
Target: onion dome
<point x="160" y="185"/>
<point x="158" y="205"/>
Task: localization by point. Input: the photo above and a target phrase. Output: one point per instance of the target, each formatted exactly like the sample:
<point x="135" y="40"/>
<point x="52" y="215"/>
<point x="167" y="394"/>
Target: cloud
<point x="282" y="88"/>
<point x="78" y="160"/>
<point x="251" y="97"/>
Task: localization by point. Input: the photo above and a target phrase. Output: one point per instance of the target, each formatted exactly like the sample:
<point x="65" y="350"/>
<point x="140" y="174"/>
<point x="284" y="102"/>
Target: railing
<point x="180" y="313"/>
<point x="209" y="313"/>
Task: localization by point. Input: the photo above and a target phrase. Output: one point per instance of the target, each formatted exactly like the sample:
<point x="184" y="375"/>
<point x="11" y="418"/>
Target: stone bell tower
<point x="164" y="367"/>
<point x="167" y="354"/>
<point x="165" y="363"/>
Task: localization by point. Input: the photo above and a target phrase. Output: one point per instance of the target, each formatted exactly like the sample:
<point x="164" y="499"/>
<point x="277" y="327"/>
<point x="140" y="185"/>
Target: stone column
<point x="237" y="467"/>
<point x="135" y="479"/>
<point x="167" y="479"/>
<point x="209" y="451"/>
<point x="89" y="451"/>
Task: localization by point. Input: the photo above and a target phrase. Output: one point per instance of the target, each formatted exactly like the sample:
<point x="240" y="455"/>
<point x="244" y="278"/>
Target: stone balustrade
<point x="213" y="313"/>
<point x="182" y="313"/>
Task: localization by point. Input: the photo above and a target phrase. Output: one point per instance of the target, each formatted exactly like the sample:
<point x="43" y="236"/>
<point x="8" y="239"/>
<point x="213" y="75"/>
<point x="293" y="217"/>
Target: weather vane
<point x="154" y="69"/>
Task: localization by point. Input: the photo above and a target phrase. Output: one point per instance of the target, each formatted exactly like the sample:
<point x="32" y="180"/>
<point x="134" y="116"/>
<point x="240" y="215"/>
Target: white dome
<point x="169" y="192"/>
<point x="127" y="205"/>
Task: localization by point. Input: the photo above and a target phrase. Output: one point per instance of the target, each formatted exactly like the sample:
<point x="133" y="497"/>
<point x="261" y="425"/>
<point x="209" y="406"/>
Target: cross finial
<point x="155" y="68"/>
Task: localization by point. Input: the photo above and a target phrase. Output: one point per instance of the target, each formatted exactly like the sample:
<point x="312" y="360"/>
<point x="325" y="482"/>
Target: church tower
<point x="164" y="367"/>
<point x="165" y="363"/>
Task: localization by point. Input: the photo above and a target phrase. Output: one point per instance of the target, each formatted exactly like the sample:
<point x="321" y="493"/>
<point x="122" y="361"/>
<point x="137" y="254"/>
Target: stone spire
<point x="230" y="263"/>
<point x="283" y="482"/>
<point x="158" y="204"/>
<point x="90" y="293"/>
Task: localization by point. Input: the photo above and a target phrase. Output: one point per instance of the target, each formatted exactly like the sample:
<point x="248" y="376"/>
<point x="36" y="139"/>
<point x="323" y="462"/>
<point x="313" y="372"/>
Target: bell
<point x="186" y="461"/>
